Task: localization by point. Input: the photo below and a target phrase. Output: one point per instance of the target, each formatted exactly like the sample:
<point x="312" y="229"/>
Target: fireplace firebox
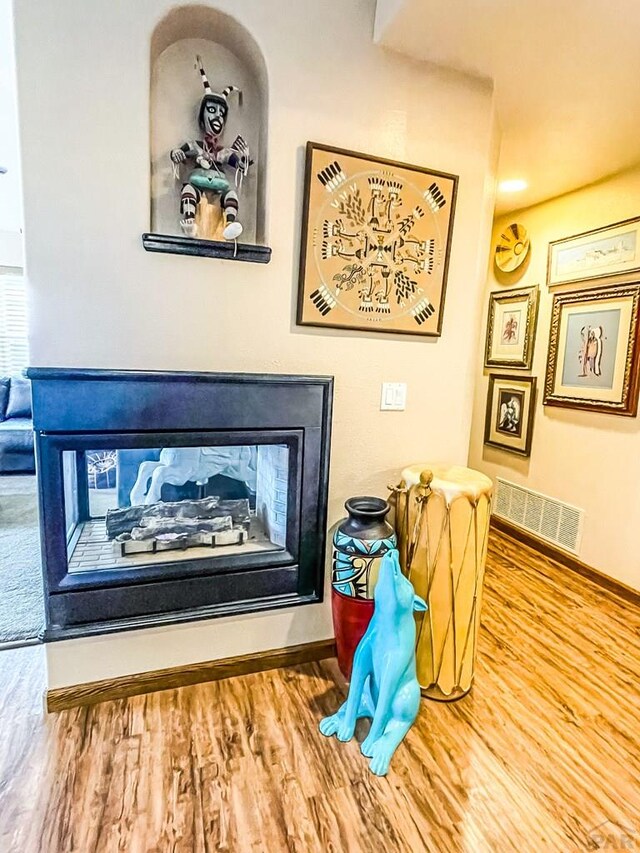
<point x="170" y="497"/>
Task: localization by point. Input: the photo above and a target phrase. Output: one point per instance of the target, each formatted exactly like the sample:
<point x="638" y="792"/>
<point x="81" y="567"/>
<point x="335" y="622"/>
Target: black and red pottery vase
<point x="359" y="543"/>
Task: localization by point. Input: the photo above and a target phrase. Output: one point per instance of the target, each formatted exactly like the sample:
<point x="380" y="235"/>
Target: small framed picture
<point x="510" y="412"/>
<point x="612" y="250"/>
<point x="593" y="350"/>
<point x="511" y="328"/>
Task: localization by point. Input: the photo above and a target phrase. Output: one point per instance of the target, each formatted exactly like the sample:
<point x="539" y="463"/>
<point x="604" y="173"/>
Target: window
<point x="14" y="345"/>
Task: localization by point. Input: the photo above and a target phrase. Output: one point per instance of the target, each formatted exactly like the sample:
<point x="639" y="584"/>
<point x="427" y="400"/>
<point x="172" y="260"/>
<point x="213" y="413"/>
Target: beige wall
<point x="586" y="459"/>
<point x="99" y="300"/>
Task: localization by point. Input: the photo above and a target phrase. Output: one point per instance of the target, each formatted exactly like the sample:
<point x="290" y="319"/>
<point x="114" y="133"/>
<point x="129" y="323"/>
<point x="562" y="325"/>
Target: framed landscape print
<point x="511" y="328"/>
<point x="593" y="350"/>
<point x="510" y="410"/>
<point x="609" y="251"/>
<point x="375" y="243"/>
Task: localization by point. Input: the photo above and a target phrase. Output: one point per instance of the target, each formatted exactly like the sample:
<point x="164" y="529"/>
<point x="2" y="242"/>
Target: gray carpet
<point x="21" y="594"/>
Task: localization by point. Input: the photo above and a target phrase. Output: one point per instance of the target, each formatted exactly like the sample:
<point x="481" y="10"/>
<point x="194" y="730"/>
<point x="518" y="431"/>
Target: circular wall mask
<point x="512" y="247"/>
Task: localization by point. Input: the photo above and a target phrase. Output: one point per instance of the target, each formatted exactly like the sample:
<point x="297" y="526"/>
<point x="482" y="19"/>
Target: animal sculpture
<point x="180" y="465"/>
<point x="384" y="685"/>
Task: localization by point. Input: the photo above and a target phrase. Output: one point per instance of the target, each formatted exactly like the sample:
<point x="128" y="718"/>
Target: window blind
<point x="14" y="345"/>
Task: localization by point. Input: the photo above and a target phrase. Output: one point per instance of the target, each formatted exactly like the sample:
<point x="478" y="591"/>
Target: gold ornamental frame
<point x="627" y="363"/>
<point x="597" y="254"/>
<point x="498" y="298"/>
<point x="526" y="388"/>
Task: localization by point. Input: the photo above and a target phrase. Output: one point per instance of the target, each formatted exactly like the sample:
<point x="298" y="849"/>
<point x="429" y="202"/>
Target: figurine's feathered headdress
<point x="214" y="97"/>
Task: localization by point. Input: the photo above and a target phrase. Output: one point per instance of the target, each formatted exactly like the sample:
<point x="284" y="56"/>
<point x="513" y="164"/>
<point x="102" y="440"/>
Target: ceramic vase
<point x="359" y="543"/>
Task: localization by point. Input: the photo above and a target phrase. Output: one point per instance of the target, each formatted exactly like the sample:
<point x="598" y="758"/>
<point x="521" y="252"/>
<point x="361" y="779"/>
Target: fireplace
<point x="170" y="497"/>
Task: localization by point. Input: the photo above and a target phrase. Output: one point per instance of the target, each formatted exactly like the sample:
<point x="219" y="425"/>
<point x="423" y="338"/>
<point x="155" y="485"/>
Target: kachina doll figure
<point x="215" y="163"/>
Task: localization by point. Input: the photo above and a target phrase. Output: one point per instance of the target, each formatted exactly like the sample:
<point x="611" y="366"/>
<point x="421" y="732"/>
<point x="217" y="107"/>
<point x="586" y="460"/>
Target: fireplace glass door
<point x="133" y="507"/>
<point x="127" y="508"/>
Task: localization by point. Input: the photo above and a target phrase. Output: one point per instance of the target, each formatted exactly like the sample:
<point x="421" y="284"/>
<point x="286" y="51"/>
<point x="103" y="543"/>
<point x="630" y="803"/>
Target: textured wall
<point x="99" y="300"/>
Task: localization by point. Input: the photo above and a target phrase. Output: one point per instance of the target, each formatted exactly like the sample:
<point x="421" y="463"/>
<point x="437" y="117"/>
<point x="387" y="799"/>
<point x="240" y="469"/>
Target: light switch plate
<point x="393" y="397"/>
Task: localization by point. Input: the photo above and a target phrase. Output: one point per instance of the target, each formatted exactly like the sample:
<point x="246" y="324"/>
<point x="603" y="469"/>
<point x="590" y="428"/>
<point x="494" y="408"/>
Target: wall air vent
<point x="543" y="516"/>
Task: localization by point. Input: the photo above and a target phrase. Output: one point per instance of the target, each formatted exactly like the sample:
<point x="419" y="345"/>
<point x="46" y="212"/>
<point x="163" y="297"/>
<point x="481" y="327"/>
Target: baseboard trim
<point x="19" y="644"/>
<point x="62" y="698"/>
<point x="567" y="560"/>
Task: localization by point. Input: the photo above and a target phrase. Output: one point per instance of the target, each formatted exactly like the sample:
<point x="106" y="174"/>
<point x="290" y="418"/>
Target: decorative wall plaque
<point x="375" y="245"/>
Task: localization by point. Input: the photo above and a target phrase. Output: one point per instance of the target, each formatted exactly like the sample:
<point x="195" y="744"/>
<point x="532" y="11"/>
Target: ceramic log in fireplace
<point x="169" y="497"/>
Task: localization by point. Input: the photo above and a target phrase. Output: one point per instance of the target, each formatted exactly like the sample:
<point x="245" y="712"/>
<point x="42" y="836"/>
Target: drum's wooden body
<point x="442" y="522"/>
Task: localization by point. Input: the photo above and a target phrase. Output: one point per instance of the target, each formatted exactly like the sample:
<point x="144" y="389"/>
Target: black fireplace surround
<point x="98" y="421"/>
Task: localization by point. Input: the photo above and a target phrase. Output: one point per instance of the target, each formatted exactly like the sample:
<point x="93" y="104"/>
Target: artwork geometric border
<point x="342" y="284"/>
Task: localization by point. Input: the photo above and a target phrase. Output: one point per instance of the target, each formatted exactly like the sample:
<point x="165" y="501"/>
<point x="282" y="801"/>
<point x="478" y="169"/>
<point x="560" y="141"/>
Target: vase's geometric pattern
<point x="356" y="563"/>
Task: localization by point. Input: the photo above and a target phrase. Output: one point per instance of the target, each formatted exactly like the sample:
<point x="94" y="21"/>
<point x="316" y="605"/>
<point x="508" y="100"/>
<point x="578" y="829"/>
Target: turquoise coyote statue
<point x="384" y="685"/>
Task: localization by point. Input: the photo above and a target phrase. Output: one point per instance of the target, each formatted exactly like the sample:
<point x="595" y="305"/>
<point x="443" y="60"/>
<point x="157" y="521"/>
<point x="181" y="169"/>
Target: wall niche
<point x="230" y="57"/>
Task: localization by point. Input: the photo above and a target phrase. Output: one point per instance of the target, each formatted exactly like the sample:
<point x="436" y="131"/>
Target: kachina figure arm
<point x="191" y="150"/>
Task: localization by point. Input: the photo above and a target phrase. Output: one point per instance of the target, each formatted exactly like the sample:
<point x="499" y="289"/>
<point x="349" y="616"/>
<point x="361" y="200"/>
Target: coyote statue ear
<point x="419" y="603"/>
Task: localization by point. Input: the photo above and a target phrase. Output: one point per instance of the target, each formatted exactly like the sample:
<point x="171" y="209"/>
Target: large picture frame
<point x="613" y="250"/>
<point x="593" y="353"/>
<point x="511" y="328"/>
<point x="376" y="238"/>
<point x="510" y="413"/>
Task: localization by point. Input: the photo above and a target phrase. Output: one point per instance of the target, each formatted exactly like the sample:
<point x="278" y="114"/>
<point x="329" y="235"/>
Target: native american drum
<point x="442" y="522"/>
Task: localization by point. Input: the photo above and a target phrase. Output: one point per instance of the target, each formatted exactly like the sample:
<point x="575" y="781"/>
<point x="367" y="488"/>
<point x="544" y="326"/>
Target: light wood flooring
<point x="543" y="755"/>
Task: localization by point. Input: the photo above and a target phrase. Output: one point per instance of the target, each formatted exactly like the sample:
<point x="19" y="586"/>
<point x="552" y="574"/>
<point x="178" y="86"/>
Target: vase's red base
<point x="351" y="616"/>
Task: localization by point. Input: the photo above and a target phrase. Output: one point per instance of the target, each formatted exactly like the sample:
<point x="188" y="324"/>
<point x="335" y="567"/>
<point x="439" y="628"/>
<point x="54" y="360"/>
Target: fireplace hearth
<point x="170" y="497"/>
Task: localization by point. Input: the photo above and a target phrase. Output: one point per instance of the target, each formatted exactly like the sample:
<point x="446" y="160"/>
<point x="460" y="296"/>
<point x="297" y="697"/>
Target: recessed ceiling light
<point x="515" y="185"/>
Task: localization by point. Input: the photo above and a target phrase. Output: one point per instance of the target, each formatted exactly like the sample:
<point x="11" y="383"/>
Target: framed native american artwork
<point x="511" y="328"/>
<point x="593" y="350"/>
<point x="613" y="250"/>
<point x="375" y="243"/>
<point x="510" y="410"/>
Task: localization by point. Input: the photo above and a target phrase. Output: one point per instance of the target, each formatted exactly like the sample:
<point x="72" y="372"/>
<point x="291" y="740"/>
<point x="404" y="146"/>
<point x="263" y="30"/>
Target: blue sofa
<point x="16" y="426"/>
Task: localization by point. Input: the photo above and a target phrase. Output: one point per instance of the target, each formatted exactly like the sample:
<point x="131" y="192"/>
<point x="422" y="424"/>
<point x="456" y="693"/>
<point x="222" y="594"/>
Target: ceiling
<point x="566" y="75"/>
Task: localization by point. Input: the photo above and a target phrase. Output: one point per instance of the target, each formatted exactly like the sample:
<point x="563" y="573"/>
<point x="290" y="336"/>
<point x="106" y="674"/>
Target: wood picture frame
<point x="510" y="413"/>
<point x="375" y="243"/>
<point x="511" y="328"/>
<point x="606" y="252"/>
<point x="594" y="344"/>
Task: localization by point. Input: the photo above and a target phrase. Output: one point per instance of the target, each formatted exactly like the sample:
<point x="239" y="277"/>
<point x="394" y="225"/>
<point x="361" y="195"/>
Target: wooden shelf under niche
<point x="229" y="251"/>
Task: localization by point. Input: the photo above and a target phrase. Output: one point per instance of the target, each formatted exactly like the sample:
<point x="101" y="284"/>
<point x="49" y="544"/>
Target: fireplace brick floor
<point x="94" y="550"/>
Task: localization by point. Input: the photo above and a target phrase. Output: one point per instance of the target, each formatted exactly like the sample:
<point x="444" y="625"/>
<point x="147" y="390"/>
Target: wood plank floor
<point x="543" y="755"/>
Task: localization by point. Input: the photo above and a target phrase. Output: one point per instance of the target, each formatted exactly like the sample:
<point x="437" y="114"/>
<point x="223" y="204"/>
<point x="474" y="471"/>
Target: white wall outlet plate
<point x="393" y="397"/>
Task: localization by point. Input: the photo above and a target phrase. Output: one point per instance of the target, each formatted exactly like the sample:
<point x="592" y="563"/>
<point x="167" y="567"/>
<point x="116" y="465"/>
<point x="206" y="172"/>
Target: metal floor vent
<point x="543" y="516"/>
